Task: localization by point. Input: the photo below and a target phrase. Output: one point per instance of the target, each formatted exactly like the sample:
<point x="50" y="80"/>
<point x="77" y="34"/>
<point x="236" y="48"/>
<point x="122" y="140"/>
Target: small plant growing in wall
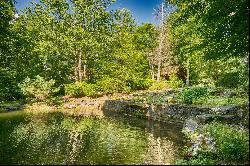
<point x="189" y="95"/>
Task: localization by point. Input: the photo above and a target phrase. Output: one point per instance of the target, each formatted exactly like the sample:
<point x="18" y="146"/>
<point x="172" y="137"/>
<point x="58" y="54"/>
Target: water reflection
<point x="160" y="151"/>
<point x="55" y="139"/>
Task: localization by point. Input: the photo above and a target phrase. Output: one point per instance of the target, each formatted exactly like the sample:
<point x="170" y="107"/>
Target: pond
<point x="53" y="138"/>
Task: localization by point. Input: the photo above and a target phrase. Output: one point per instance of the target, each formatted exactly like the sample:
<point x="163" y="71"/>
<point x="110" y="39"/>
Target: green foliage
<point x="114" y="51"/>
<point x="215" y="101"/>
<point x="232" y="142"/>
<point x="209" y="37"/>
<point x="54" y="40"/>
<point x="38" y="88"/>
<point x="90" y="90"/>
<point x="219" y="96"/>
<point x="73" y="89"/>
<point x="138" y="100"/>
<point x="230" y="145"/>
<point x="79" y="89"/>
<point x="220" y="24"/>
<point x="159" y="85"/>
<point x="155" y="99"/>
<point x="139" y="84"/>
<point x="145" y="37"/>
<point x="112" y="85"/>
<point x="229" y="80"/>
<point x="190" y="94"/>
<point x="9" y="89"/>
<point x="6" y="14"/>
<point x="175" y="82"/>
<point x="200" y="160"/>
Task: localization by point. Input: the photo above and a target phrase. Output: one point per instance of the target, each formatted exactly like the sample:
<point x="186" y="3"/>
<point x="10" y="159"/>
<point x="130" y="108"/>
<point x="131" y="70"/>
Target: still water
<point x="52" y="138"/>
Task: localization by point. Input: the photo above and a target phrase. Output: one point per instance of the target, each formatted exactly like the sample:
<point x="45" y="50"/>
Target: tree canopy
<point x="82" y="41"/>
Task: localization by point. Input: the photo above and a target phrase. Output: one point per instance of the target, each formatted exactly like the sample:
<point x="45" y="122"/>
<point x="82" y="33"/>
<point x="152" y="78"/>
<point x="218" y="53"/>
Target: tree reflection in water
<point x="55" y="139"/>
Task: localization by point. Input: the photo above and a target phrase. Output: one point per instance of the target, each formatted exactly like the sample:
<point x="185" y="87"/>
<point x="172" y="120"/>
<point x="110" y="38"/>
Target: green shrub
<point x="157" y="100"/>
<point x="90" y="90"/>
<point x="229" y="80"/>
<point x="232" y="143"/>
<point x="200" y="160"/>
<point x="79" y="89"/>
<point x="140" y="84"/>
<point x="175" y="82"/>
<point x="38" y="88"/>
<point x="9" y="89"/>
<point x="215" y="143"/>
<point x="159" y="85"/>
<point x="194" y="93"/>
<point x="73" y="89"/>
<point x="112" y="85"/>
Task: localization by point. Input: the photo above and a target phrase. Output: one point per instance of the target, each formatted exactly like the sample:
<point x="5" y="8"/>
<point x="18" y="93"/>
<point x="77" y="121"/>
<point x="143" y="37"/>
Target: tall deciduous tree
<point x="223" y="25"/>
<point x="146" y="40"/>
<point x="162" y="13"/>
<point x="216" y="30"/>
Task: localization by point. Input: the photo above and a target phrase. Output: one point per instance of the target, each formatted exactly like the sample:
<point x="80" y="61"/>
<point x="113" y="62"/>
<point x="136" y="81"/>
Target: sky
<point x="142" y="10"/>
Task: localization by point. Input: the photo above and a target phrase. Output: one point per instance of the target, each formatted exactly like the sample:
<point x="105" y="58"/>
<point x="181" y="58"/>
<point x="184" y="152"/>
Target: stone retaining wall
<point x="231" y="114"/>
<point x="102" y="107"/>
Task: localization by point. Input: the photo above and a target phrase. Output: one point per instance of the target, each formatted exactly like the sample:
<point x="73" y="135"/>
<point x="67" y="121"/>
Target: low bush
<point x="216" y="101"/>
<point x="79" y="89"/>
<point x="90" y="90"/>
<point x="112" y="85"/>
<point x="190" y="94"/>
<point x="216" y="143"/>
<point x="73" y="89"/>
<point x="38" y="88"/>
<point x="175" y="82"/>
<point x="200" y="160"/>
<point x="232" y="143"/>
<point x="139" y="84"/>
<point x="229" y="80"/>
<point x="162" y="85"/>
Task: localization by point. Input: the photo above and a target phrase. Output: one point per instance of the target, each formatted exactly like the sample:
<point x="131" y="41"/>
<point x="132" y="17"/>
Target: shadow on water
<point x="53" y="138"/>
<point x="120" y="110"/>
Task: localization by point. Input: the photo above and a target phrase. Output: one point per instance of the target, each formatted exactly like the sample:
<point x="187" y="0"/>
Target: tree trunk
<point x="159" y="71"/>
<point x="85" y="69"/>
<point x="152" y="72"/>
<point x="80" y="66"/>
<point x="159" y="57"/>
<point x="160" y="44"/>
<point x="76" y="72"/>
<point x="76" y="68"/>
<point x="188" y="74"/>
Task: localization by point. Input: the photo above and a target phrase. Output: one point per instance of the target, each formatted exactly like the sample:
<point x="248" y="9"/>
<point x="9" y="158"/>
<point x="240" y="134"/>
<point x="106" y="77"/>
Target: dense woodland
<point x="80" y="48"/>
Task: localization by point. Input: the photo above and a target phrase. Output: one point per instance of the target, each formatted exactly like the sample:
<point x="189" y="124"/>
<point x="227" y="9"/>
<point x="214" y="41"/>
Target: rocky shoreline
<point x="232" y="114"/>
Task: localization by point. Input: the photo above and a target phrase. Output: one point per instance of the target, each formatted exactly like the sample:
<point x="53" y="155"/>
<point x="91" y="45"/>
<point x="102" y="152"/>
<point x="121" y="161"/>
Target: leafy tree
<point x="145" y="39"/>
<point x="78" y="41"/>
<point x="222" y="24"/>
<point x="215" y="30"/>
<point x="8" y="81"/>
